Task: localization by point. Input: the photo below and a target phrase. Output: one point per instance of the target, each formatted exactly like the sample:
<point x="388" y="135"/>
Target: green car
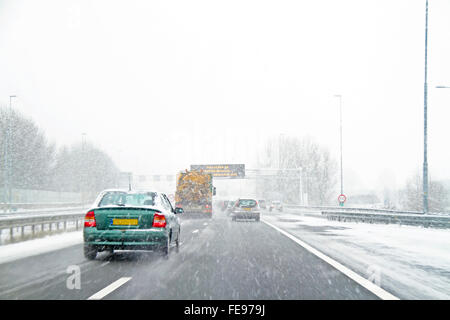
<point x="131" y="220"/>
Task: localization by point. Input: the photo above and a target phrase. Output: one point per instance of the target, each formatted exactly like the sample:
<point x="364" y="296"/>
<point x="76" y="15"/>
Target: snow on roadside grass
<point x="413" y="262"/>
<point x="15" y="251"/>
<point x="431" y="243"/>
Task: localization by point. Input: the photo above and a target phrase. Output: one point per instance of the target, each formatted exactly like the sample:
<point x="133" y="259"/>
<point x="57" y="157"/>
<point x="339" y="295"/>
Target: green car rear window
<point x="128" y="199"/>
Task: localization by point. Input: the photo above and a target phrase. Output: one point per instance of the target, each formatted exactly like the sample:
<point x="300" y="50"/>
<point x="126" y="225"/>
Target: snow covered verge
<point x="409" y="262"/>
<point x="29" y="248"/>
<point x="39" y="212"/>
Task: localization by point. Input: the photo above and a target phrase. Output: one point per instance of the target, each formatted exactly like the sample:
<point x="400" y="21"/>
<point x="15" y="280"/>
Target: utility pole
<point x="425" y="120"/>
<point x="129" y="181"/>
<point x="279" y="151"/>
<point x="83" y="166"/>
<point x="340" y="130"/>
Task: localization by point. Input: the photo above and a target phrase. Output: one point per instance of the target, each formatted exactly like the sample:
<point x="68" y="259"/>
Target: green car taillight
<point x="89" y="220"/>
<point x="159" y="221"/>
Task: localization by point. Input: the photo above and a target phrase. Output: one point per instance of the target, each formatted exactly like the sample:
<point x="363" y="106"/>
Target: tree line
<point x="320" y="179"/>
<point x="411" y="196"/>
<point x="317" y="178"/>
<point x="31" y="161"/>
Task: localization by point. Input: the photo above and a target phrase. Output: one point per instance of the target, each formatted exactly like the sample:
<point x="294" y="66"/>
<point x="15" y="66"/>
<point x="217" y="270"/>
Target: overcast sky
<point x="160" y="85"/>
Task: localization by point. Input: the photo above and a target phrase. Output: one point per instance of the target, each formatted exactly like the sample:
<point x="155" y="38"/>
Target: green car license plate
<point x="124" y="222"/>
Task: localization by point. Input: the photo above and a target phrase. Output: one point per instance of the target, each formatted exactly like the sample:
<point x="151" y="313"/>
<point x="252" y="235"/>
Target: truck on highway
<point x="194" y="192"/>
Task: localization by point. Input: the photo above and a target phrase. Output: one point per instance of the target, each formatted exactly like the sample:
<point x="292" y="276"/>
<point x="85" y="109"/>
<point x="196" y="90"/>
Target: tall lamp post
<point x="83" y="174"/>
<point x="340" y="130"/>
<point x="425" y="120"/>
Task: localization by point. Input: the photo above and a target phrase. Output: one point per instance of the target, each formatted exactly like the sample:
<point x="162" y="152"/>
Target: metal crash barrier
<point x="428" y="221"/>
<point x="54" y="223"/>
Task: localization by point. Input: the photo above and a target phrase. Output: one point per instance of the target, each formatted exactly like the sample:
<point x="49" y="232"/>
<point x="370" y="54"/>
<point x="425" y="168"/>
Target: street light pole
<point x="83" y="165"/>
<point x="425" y="120"/>
<point x="340" y="130"/>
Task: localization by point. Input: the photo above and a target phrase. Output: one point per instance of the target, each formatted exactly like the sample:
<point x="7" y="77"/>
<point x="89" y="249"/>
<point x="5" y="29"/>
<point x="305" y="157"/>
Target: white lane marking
<point x="195" y="231"/>
<point x="104" y="263"/>
<point x="381" y="293"/>
<point x="113" y="286"/>
<point x="205" y="224"/>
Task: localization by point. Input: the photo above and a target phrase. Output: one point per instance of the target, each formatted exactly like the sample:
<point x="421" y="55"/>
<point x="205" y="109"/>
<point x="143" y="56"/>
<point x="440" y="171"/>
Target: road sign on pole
<point x="233" y="171"/>
<point x="342" y="198"/>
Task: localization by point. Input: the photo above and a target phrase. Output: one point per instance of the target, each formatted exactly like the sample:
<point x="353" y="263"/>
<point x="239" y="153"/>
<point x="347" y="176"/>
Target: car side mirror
<point x="178" y="210"/>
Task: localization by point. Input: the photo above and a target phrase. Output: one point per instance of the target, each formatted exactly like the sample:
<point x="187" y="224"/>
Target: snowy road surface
<point x="408" y="261"/>
<point x="221" y="259"/>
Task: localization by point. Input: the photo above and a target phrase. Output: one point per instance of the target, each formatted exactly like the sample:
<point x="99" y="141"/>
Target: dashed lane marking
<point x="113" y="286"/>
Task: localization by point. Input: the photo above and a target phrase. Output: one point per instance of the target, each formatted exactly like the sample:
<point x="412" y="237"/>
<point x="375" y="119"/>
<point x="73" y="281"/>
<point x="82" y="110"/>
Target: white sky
<point x="160" y="85"/>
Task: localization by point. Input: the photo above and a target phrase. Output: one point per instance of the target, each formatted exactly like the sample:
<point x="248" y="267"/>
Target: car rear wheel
<point x="165" y="249"/>
<point x="90" y="252"/>
<point x="177" y="243"/>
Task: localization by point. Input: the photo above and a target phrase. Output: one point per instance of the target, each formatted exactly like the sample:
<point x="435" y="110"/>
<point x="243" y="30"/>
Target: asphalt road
<point x="218" y="259"/>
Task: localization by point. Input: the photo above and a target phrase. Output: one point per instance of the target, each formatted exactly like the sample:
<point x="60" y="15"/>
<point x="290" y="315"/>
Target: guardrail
<point x="432" y="221"/>
<point x="355" y="209"/>
<point x="21" y="222"/>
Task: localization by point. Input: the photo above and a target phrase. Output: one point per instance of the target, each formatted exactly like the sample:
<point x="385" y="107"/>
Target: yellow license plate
<point x="248" y="209"/>
<point x="125" y="222"/>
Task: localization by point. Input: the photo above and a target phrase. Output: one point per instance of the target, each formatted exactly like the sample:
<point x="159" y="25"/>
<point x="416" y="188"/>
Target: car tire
<point x="257" y="219"/>
<point x="233" y="218"/>
<point x="165" y="249"/>
<point x="177" y="243"/>
<point x="90" y="252"/>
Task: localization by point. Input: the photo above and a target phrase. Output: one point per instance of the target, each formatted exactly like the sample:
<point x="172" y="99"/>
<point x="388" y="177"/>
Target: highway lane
<point x="218" y="259"/>
<point x="44" y="276"/>
<point x="409" y="262"/>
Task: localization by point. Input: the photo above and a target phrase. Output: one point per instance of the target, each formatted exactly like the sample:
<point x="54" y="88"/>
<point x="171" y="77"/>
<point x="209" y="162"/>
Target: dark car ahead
<point x="245" y="209"/>
<point x="276" y="205"/>
<point x="131" y="220"/>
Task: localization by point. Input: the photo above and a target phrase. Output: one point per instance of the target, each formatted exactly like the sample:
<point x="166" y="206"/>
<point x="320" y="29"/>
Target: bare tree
<point x="84" y="169"/>
<point x="33" y="162"/>
<point x="318" y="169"/>
<point x="30" y="156"/>
<point x="411" y="196"/>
